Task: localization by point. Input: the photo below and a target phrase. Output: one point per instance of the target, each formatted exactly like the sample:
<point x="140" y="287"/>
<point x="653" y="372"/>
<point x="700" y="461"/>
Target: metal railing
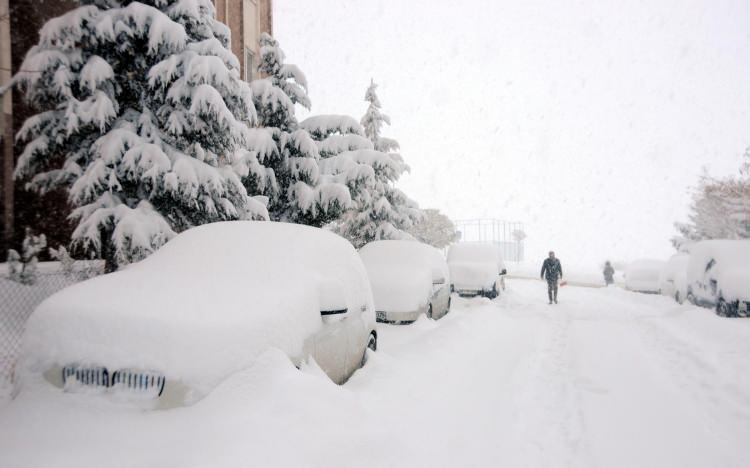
<point x="507" y="235"/>
<point x="18" y="301"/>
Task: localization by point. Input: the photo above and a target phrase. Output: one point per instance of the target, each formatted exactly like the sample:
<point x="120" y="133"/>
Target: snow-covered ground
<point x="605" y="378"/>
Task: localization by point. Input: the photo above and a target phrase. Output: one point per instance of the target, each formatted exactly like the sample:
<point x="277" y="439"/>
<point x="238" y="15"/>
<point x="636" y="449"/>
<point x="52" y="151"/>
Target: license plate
<point x="380" y="316"/>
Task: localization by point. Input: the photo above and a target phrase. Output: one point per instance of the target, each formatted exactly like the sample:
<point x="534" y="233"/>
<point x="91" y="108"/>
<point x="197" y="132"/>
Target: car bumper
<point x="471" y="290"/>
<point x="397" y="317"/>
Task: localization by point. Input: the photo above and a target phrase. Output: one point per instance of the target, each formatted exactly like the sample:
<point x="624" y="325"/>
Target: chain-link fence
<point x="18" y="301"/>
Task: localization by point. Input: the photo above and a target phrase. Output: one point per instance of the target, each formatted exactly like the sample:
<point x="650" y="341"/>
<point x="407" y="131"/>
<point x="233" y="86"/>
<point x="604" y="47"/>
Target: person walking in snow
<point x="609" y="273"/>
<point x="552" y="271"/>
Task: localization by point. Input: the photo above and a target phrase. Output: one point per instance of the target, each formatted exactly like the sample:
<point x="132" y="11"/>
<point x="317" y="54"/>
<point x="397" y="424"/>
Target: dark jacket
<point x="609" y="273"/>
<point x="551" y="269"/>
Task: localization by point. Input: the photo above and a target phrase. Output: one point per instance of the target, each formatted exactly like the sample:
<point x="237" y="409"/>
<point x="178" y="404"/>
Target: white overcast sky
<point x="587" y="120"/>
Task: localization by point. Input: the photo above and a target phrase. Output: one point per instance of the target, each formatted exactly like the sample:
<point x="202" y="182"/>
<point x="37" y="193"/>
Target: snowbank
<point x="402" y="273"/>
<point x="204" y="305"/>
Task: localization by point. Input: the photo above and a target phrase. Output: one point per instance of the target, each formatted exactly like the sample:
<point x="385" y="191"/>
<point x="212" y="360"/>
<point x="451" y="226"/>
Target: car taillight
<point x="76" y="377"/>
<point x="149" y="384"/>
<point x="97" y="378"/>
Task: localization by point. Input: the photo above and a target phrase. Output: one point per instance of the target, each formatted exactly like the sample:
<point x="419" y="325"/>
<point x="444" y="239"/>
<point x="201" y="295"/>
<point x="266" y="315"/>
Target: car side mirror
<point x="333" y="312"/>
<point x="332" y="297"/>
<point x="504" y="272"/>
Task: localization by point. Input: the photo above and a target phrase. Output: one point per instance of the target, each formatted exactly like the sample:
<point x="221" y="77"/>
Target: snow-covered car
<point x="718" y="276"/>
<point x="408" y="279"/>
<point x="170" y="328"/>
<point x="673" y="278"/>
<point x="476" y="268"/>
<point x="643" y="276"/>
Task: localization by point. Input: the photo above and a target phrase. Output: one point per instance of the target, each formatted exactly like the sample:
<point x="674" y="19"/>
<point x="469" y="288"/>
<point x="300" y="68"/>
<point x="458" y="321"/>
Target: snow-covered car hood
<point x="402" y="289"/>
<point x="203" y="306"/>
<point x="473" y="275"/>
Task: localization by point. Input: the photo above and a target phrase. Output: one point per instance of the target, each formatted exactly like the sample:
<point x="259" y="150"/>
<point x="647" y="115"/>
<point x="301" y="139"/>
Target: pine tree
<point x="290" y="176"/>
<point x="143" y="119"/>
<point x="380" y="210"/>
<point x="374" y="119"/>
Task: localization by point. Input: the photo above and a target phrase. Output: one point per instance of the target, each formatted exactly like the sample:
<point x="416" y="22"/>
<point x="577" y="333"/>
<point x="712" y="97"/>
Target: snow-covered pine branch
<point x="373" y="121"/>
<point x="144" y="102"/>
<point x="285" y="164"/>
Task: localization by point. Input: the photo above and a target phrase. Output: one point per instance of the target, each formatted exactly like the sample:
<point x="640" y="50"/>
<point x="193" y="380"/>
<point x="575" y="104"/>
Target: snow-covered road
<point x="607" y="378"/>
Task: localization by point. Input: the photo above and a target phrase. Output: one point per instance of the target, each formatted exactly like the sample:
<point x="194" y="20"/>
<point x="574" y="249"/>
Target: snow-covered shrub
<point x="435" y="229"/>
<point x="23" y="267"/>
<point x="720" y="209"/>
<point x="144" y="120"/>
<point x="62" y="255"/>
<point x="284" y="164"/>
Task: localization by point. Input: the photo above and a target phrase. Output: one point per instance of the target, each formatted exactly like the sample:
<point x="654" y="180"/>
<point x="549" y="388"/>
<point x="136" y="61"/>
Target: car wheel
<point x="724" y="309"/>
<point x="372" y="345"/>
<point x="429" y="311"/>
<point x="691" y="298"/>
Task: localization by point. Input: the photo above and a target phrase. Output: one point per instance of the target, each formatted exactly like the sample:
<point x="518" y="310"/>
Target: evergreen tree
<point x="143" y="119"/>
<point x="290" y="176"/>
<point x="380" y="210"/>
<point x="373" y="121"/>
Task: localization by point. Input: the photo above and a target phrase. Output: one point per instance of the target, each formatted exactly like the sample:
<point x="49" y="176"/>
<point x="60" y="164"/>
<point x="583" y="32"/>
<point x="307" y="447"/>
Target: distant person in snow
<point x="609" y="273"/>
<point x="552" y="271"/>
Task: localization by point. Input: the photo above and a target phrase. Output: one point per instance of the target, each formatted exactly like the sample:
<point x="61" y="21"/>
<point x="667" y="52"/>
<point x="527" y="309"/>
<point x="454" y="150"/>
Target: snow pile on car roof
<point x="401" y="273"/>
<point x="727" y="261"/>
<point x="644" y="270"/>
<point x="204" y="305"/>
<point x="474" y="264"/>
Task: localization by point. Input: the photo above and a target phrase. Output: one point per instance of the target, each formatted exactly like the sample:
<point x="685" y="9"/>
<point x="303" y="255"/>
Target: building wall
<point x="247" y="19"/>
<point x="19" y="31"/>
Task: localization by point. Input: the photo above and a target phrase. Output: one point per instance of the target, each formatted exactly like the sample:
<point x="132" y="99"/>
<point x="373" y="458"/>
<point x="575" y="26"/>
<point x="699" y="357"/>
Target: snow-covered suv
<point x="476" y="268"/>
<point x="168" y="329"/>
<point x="719" y="276"/>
